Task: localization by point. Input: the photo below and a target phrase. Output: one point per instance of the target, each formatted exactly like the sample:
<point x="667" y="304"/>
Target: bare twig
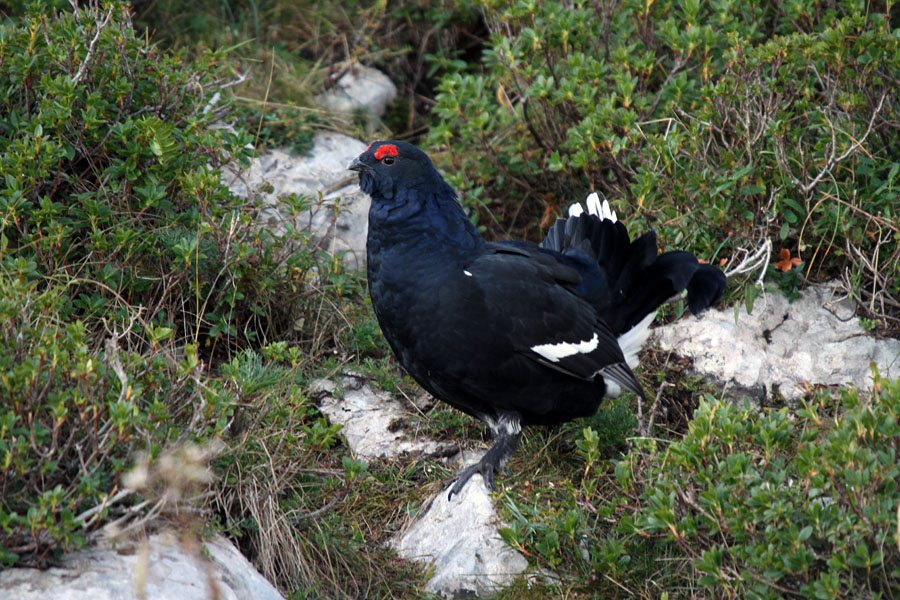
<point x="112" y="354"/>
<point x="92" y="47"/>
<point x="654" y="407"/>
<point x="833" y="159"/>
<point x="759" y="259"/>
<point x="90" y="516"/>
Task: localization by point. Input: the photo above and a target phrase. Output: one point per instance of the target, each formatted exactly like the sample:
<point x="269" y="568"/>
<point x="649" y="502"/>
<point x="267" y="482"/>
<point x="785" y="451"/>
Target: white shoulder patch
<point x="575" y="210"/>
<point x="555" y="352"/>
<point x="634" y="339"/>
<point x="466" y="273"/>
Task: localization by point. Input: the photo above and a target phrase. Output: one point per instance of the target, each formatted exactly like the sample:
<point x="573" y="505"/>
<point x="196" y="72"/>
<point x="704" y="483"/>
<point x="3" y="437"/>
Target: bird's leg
<point x="492" y="462"/>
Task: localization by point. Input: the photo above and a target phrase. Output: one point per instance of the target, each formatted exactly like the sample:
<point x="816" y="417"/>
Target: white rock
<point x="360" y="88"/>
<point x="370" y="419"/>
<point x="323" y="173"/>
<point x="105" y="573"/>
<point x="816" y="339"/>
<point x="459" y="539"/>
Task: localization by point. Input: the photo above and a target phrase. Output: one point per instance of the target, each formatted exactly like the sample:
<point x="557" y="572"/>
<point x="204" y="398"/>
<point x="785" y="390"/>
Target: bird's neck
<point x="431" y="221"/>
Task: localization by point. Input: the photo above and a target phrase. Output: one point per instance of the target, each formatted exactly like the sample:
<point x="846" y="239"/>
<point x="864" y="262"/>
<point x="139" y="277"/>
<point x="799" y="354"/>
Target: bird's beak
<point x="356" y="165"/>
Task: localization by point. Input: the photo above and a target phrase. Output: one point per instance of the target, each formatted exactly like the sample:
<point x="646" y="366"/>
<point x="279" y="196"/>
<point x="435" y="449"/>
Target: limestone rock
<point x="373" y="420"/>
<point x="816" y="339"/>
<point x="458" y="537"/>
<point x="359" y="88"/>
<point x="340" y="221"/>
<point x="105" y="573"/>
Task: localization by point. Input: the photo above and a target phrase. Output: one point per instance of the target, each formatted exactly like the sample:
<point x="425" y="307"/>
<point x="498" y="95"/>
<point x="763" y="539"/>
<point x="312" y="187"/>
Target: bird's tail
<point x="626" y="279"/>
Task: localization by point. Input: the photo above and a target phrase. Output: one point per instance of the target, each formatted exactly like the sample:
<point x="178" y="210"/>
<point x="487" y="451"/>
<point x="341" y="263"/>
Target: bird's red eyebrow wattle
<point x="386" y="150"/>
<point x="370" y="145"/>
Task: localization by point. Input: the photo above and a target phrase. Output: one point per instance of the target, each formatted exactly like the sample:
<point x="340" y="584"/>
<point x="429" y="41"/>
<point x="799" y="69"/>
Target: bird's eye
<point x="388" y="160"/>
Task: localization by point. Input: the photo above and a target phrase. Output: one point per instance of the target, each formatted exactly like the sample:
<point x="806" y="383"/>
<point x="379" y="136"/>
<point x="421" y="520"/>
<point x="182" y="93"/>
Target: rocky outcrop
<point x="338" y="212"/>
<point x="815" y="341"/>
<point x="359" y="89"/>
<point x="159" y="569"/>
<point x="458" y="538"/>
<point x="372" y="420"/>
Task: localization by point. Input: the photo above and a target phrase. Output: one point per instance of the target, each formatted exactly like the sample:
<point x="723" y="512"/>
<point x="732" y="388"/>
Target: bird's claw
<point x="486" y="470"/>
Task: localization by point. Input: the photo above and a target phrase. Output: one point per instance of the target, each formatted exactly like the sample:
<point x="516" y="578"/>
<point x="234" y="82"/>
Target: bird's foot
<point x="484" y="467"/>
<point x="492" y="462"/>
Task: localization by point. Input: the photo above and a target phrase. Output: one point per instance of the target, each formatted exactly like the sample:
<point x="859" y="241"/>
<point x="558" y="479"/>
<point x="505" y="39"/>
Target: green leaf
<point x="750" y="295"/>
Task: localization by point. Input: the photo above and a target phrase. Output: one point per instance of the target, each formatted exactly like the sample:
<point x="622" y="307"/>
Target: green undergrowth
<point x="748" y="503"/>
<point x="123" y="262"/>
<point x="150" y="327"/>
<point x="275" y="46"/>
<point x="289" y="52"/>
<point x="311" y="517"/>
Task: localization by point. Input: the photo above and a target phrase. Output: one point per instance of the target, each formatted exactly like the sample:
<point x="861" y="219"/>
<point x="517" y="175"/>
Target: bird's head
<point x="408" y="193"/>
<point x="389" y="170"/>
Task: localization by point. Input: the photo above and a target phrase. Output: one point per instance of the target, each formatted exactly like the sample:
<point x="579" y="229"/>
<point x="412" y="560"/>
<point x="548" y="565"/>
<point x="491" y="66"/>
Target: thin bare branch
<point x="92" y="47"/>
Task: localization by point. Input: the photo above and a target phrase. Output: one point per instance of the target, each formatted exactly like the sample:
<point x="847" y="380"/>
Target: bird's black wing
<point x="532" y="299"/>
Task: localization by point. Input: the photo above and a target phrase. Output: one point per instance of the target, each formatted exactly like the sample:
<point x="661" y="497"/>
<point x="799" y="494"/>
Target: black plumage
<point x="511" y="333"/>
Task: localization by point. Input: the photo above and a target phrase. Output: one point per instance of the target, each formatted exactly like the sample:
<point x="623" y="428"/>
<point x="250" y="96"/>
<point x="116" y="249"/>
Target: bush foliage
<point x="747" y="504"/>
<point x="720" y="124"/>
<point x="70" y="419"/>
<point x="125" y="265"/>
<point x="770" y="504"/>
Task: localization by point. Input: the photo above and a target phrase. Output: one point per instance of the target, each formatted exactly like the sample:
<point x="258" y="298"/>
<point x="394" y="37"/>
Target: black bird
<point x="508" y="332"/>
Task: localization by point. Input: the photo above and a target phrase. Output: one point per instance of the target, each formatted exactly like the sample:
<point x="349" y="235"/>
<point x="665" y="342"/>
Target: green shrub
<point x="110" y="162"/>
<point x="279" y="76"/>
<point x="310" y="516"/>
<point x="72" y="416"/>
<point x="747" y="504"/>
<point x="290" y="51"/>
<point x="718" y="124"/>
<point x="126" y="267"/>
<point x="565" y="510"/>
<point x="763" y="505"/>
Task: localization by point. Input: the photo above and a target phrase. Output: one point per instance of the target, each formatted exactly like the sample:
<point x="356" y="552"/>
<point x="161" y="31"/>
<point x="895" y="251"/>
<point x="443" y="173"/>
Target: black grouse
<point x="508" y="332"/>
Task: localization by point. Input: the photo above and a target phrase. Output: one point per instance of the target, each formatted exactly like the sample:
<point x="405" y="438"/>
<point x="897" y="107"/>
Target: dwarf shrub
<point x="126" y="266"/>
<point x="767" y="505"/>
<point x="747" y="504"/>
<point x="111" y="153"/>
<point x="718" y="124"/>
<point x="71" y="416"/>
